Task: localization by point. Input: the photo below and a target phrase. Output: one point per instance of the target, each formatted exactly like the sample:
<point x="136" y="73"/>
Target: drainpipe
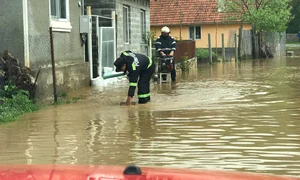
<point x="53" y="65"/>
<point x="82" y="7"/>
<point x="25" y="31"/>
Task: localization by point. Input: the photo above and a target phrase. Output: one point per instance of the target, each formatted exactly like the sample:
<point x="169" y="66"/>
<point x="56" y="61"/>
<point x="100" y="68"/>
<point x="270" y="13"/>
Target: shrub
<point x="203" y="56"/>
<point x="14" y="102"/>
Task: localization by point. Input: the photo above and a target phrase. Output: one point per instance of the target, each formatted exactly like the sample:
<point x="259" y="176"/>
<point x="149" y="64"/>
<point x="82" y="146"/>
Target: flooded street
<point x="228" y="116"/>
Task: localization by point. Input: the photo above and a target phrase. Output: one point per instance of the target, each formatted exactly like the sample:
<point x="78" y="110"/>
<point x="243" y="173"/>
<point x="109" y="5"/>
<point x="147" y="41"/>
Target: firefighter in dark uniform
<point x="140" y="69"/>
<point x="165" y="45"/>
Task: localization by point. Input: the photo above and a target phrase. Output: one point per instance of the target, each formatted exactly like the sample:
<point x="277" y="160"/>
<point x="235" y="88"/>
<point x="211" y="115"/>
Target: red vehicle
<point x="79" y="172"/>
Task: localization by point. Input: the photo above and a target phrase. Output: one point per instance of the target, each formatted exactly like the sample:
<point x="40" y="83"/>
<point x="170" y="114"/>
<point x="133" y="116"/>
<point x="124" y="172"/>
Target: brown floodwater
<point x="228" y="116"/>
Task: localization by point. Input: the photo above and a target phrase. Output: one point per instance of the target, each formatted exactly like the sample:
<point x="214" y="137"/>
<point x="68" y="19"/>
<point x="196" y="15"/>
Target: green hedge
<point x="203" y="55"/>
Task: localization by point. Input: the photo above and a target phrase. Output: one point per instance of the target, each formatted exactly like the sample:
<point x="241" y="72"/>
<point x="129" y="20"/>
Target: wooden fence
<point x="185" y="48"/>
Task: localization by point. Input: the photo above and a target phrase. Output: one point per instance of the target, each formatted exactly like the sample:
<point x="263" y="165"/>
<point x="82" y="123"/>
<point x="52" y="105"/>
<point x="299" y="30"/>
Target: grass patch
<point x="15" y="102"/>
<point x="65" y="99"/>
<point x="292" y="42"/>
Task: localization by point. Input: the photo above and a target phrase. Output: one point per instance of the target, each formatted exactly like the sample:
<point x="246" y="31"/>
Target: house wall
<point x="101" y="7"/>
<point x="72" y="72"/>
<point x="11" y="28"/>
<point x="104" y="8"/>
<point x="215" y="31"/>
<point x="135" y="44"/>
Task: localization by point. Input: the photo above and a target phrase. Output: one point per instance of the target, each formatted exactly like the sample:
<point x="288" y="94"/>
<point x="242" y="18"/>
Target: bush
<point x="203" y="56"/>
<point x="14" y="102"/>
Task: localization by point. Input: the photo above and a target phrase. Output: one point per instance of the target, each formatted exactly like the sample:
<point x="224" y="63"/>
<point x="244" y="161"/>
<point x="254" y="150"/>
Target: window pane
<point x="125" y="23"/>
<point x="53" y="8"/>
<point x="128" y="25"/>
<point x="198" y="32"/>
<point x="143" y="23"/>
<point x="63" y="8"/>
<point x="192" y="32"/>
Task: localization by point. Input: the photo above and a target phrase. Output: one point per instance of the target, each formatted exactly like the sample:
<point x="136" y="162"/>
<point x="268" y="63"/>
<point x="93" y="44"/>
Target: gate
<point x="106" y="50"/>
<point x="103" y="45"/>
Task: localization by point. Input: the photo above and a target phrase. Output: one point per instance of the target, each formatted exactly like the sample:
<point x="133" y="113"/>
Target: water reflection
<point x="239" y="116"/>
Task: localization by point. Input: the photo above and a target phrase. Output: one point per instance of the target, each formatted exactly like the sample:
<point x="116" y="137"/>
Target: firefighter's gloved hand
<point x="171" y="53"/>
<point x="163" y="54"/>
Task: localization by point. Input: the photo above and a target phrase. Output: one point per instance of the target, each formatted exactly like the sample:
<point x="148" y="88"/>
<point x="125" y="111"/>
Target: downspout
<point x="82" y="7"/>
<point x="25" y="35"/>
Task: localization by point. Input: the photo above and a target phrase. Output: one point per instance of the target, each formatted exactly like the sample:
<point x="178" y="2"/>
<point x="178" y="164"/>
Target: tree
<point x="264" y="15"/>
<point x="294" y="25"/>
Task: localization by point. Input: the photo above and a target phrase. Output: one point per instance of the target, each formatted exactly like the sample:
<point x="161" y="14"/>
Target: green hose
<point x="113" y="75"/>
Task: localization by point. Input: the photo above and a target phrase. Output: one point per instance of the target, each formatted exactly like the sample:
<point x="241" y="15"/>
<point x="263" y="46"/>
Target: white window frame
<point x="143" y="23"/>
<point x="126" y="24"/>
<point x="193" y="37"/>
<point x="57" y="23"/>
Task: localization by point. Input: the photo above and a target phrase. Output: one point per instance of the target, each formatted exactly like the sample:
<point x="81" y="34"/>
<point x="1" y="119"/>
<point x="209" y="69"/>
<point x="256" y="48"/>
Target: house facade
<point x="194" y="20"/>
<point x="132" y="21"/>
<point x="25" y="34"/>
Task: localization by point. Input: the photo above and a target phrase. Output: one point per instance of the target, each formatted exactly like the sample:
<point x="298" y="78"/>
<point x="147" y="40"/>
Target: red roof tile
<point x="171" y="12"/>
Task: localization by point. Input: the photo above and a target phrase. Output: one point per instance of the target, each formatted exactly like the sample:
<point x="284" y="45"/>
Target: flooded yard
<point x="241" y="116"/>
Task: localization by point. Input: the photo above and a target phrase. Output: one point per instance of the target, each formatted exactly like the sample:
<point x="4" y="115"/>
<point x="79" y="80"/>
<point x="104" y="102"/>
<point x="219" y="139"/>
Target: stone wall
<point x="135" y="7"/>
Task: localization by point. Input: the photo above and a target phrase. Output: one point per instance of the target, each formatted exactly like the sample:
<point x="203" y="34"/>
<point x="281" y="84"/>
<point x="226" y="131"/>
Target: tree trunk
<point x="260" y="44"/>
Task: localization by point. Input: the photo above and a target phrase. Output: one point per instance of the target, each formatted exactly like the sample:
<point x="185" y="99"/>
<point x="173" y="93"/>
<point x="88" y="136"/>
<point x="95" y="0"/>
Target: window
<point x="126" y="24"/>
<point x="195" y="32"/>
<point x="143" y="24"/>
<point x="59" y="15"/>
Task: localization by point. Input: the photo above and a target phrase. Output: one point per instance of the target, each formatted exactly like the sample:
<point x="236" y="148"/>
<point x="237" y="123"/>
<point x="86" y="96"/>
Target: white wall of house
<point x="11" y="28"/>
<point x="24" y="33"/>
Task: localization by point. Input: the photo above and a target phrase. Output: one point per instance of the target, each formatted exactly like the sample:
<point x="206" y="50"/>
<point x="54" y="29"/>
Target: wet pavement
<point x="228" y="116"/>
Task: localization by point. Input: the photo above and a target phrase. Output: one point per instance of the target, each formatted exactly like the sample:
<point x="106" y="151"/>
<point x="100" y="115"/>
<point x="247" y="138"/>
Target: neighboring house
<point x="131" y="22"/>
<point x="25" y="34"/>
<point x="194" y="20"/>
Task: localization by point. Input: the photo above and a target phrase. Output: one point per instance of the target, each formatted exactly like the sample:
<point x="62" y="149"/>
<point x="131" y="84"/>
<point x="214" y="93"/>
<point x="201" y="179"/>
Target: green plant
<point x="18" y="104"/>
<point x="75" y="99"/>
<point x="149" y="36"/>
<point x="203" y="55"/>
<point x="184" y="63"/>
<point x="9" y="90"/>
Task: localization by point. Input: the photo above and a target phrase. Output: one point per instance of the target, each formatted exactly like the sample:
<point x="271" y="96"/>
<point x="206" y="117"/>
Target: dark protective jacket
<point x="165" y="44"/>
<point x="135" y="64"/>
